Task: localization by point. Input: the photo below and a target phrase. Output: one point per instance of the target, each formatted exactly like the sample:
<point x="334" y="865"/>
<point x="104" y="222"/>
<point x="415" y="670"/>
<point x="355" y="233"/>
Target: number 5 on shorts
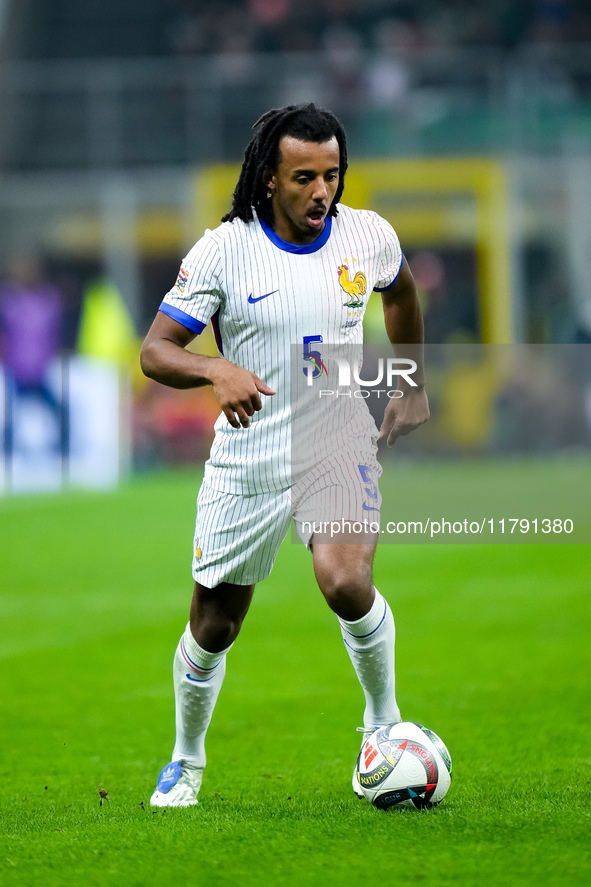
<point x="371" y="489"/>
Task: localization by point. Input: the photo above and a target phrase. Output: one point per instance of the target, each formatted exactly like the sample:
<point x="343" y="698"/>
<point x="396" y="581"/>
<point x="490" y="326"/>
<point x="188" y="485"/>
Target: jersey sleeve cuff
<point x="382" y="289"/>
<point x="186" y="320"/>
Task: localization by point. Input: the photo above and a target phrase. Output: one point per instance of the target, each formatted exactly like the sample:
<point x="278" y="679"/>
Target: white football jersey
<point x="264" y="296"/>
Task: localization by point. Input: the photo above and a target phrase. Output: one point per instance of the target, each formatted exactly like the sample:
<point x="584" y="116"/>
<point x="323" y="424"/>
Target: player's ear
<point x="268" y="178"/>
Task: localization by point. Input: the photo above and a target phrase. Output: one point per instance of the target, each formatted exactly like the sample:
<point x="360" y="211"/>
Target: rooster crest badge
<point x="354" y="288"/>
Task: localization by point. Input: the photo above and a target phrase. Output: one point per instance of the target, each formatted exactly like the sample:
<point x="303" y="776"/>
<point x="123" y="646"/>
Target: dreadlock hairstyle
<point x="306" y="122"/>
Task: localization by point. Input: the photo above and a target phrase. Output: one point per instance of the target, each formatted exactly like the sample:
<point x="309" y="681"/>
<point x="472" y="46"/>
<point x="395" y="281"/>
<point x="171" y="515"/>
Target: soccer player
<point x="289" y="265"/>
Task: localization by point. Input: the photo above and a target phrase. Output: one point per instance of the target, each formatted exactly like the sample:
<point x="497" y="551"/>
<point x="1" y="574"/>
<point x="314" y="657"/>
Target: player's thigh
<point x="237" y="537"/>
<point x="337" y="514"/>
<point x="339" y="501"/>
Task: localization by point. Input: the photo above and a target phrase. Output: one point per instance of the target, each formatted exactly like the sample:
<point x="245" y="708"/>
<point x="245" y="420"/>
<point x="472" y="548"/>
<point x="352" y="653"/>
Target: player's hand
<point x="404" y="414"/>
<point x="238" y="392"/>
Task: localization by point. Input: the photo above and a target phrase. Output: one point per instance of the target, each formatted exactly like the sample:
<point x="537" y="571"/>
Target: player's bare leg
<point x="217" y="614"/>
<point x="198" y="671"/>
<point x="344" y="573"/>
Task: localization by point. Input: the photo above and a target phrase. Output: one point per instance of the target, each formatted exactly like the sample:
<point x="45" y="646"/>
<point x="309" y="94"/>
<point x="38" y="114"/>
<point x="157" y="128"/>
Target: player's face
<point x="303" y="187"/>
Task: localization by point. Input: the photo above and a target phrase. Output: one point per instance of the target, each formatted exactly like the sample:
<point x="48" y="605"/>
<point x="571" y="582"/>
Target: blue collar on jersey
<point x="292" y="247"/>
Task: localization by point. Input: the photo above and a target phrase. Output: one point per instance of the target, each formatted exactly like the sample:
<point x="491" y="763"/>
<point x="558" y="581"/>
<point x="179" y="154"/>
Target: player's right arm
<point x="164" y="358"/>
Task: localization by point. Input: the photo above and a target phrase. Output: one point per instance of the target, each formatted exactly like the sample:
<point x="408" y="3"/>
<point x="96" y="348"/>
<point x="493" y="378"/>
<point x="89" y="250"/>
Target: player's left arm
<point x="404" y="325"/>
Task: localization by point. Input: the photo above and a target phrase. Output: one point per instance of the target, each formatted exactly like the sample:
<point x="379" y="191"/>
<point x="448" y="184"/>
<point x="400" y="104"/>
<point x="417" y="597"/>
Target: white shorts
<point x="237" y="537"/>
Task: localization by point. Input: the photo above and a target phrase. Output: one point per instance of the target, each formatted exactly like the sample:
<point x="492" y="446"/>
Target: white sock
<point x="198" y="678"/>
<point x="370" y="645"/>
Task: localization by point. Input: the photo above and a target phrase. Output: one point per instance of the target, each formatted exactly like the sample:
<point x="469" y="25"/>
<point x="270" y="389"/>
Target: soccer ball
<point x="404" y="765"/>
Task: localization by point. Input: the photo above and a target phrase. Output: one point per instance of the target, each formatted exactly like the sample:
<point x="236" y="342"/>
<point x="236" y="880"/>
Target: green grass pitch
<point x="493" y="653"/>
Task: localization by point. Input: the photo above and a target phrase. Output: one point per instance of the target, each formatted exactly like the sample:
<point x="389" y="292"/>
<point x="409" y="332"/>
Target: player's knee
<point x="217" y="615"/>
<point x="347" y="591"/>
<point x="215" y="634"/>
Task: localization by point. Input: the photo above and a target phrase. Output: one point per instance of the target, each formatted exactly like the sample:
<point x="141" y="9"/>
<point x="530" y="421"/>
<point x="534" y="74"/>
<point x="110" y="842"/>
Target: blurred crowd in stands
<point x="244" y="26"/>
<point x="62" y="29"/>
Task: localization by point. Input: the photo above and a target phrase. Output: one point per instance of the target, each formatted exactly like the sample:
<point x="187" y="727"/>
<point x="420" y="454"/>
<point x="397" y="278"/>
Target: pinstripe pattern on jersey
<point x="306" y="299"/>
<point x="382" y="289"/>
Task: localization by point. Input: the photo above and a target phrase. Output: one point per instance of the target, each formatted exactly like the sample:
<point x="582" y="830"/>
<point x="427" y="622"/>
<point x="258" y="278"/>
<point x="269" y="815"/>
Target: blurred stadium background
<point x="123" y="126"/>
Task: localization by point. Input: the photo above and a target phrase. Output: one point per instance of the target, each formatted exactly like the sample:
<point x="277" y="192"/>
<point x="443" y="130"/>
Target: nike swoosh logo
<point x="198" y="680"/>
<point x="252" y="300"/>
